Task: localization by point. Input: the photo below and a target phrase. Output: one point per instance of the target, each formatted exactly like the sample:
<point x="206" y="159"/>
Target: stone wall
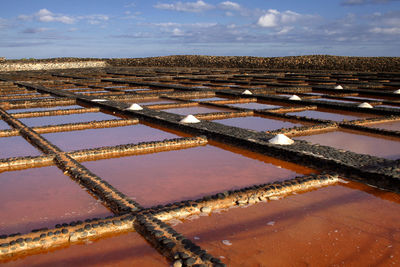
<point x="24" y="66"/>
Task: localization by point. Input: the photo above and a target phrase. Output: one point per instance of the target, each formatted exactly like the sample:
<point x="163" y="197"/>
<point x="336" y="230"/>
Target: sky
<point x="266" y="28"/>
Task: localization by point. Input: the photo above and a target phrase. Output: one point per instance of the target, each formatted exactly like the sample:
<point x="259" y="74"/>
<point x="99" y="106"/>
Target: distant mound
<point x="315" y="62"/>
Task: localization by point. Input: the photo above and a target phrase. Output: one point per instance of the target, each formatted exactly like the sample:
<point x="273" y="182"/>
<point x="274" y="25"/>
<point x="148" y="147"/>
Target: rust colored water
<point x="92" y="138"/>
<point x="166" y="177"/>
<point x="393" y="126"/>
<point x="195" y="110"/>
<point x="43" y="197"/>
<point x="254" y="106"/>
<point x="258" y="123"/>
<point x="16" y="146"/>
<point x="53" y="120"/>
<point x="354" y="141"/>
<point x="342" y="225"/>
<point x="128" y="249"/>
<point x="42" y="109"/>
<point x="334" y="116"/>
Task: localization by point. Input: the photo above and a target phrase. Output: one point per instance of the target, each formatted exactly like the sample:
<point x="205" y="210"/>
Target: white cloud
<point x="94" y="19"/>
<point x="177" y="32"/>
<point x="198" y="6"/>
<point x="282" y="20"/>
<point x="386" y="30"/>
<point x="270" y="19"/>
<point x="45" y="15"/>
<point x="365" y="2"/>
<point x="228" y="5"/>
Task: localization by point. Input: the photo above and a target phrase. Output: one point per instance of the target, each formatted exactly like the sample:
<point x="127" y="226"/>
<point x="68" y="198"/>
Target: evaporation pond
<point x="93" y="138"/>
<point x="330" y="115"/>
<point x="392" y="126"/>
<point x="195" y="110"/>
<point x="191" y="173"/>
<point x="74" y="118"/>
<point x="43" y="109"/>
<point x="341" y="225"/>
<point x="254" y="106"/>
<point x="210" y="99"/>
<point x="4" y="125"/>
<point x="128" y="249"/>
<point x="16" y="146"/>
<point x="258" y="123"/>
<point x="43" y="197"/>
<point x="384" y="147"/>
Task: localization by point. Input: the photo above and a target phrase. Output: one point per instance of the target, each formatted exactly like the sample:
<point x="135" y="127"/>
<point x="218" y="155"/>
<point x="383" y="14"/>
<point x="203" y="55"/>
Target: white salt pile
<point x="247" y="92"/>
<point x="281" y="139"/>
<point x="190" y="119"/>
<point x="397" y="91"/>
<point x="338" y="87"/>
<point x="294" y="97"/>
<point x="99" y="100"/>
<point x="365" y="105"/>
<point x="134" y="107"/>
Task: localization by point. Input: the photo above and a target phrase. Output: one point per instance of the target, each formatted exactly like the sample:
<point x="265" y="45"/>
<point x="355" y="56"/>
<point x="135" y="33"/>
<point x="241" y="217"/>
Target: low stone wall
<point x="304" y="63"/>
<point x="24" y="66"/>
<point x="313" y="62"/>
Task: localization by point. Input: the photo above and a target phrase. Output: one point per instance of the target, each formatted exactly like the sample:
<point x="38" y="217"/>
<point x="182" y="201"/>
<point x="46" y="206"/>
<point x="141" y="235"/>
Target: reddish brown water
<point x="165" y="177"/>
<point x="128" y="249"/>
<point x="393" y="126"/>
<point x="43" y="197"/>
<point x="16" y="146"/>
<point x="354" y="141"/>
<point x="52" y="120"/>
<point x="195" y="110"/>
<point x="334" y="116"/>
<point x="42" y="109"/>
<point x="343" y="225"/>
<point x="258" y="123"/>
<point x="254" y="106"/>
<point x="92" y="138"/>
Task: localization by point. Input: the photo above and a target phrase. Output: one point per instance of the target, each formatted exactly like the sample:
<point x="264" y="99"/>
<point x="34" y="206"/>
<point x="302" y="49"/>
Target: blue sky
<point x="118" y="28"/>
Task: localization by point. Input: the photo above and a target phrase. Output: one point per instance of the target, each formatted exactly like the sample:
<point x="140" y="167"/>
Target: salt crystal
<point x="134" y="107"/>
<point x="365" y="105"/>
<point x="190" y="119"/>
<point x="294" y="97"/>
<point x="281" y="139"/>
<point x="247" y="92"/>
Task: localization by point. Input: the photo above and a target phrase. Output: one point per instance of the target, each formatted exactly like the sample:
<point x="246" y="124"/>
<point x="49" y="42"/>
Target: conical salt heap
<point x="134" y="106"/>
<point x="189" y="119"/>
<point x="281" y="139"/>
<point x="294" y="97"/>
<point x="365" y="105"/>
<point x="247" y="92"/>
<point x="397" y="91"/>
<point x="338" y="87"/>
